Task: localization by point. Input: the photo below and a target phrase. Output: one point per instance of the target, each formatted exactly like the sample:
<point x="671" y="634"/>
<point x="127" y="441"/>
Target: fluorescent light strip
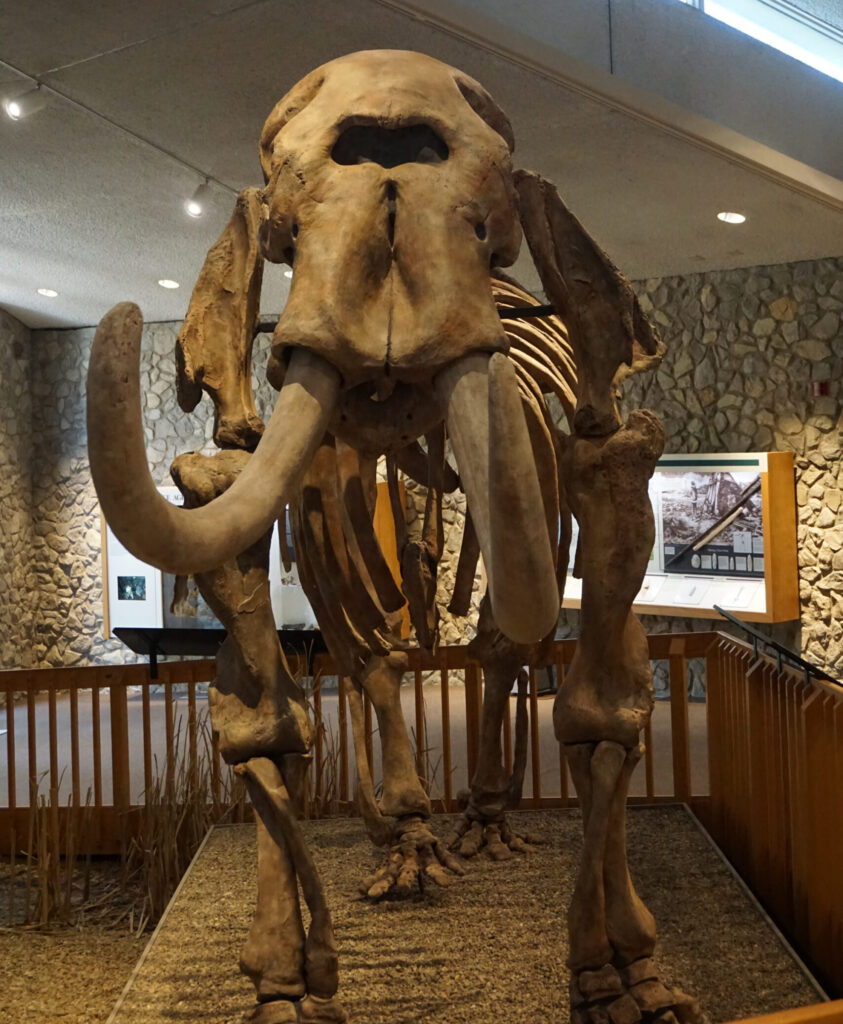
<point x="747" y="17"/>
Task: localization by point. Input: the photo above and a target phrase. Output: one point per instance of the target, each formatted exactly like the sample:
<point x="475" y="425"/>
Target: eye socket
<point x="389" y="147"/>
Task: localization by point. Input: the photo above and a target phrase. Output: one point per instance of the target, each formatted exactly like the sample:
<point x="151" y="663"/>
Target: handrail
<point x="775" y="771"/>
<point x="662" y="646"/>
<point x="123" y="730"/>
<point x="783" y="655"/>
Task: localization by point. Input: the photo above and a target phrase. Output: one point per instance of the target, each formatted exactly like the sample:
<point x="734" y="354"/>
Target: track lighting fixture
<point x="195" y="206"/>
<point x="25" y="103"/>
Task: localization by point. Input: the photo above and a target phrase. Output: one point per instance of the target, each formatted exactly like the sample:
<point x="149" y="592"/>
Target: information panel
<point x="725" y="535"/>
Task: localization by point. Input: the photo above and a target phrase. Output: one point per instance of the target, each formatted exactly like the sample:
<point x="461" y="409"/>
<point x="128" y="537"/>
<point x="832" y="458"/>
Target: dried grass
<point x="56" y="878"/>
<point x="189" y="794"/>
<point x="186" y="798"/>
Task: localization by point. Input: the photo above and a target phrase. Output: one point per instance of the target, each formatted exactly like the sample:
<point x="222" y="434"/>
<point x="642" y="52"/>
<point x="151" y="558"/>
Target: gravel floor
<point x="72" y="974"/>
<point x="492" y="947"/>
<point x="73" y="977"/>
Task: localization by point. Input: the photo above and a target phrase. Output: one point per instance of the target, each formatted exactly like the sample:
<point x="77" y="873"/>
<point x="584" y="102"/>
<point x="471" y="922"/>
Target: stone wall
<point x="16" y="572"/>
<point x="742" y="348"/>
<point x="67" y="549"/>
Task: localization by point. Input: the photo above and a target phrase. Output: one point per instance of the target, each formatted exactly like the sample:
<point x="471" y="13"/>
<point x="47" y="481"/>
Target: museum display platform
<point x="491" y="947"/>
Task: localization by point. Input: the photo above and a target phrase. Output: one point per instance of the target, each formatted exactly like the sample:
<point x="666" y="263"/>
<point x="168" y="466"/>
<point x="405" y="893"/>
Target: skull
<point x="389" y="190"/>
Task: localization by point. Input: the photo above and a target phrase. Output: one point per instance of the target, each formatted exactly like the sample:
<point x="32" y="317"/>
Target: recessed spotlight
<point x="288" y="273"/>
<point x="47" y="292"/>
<point x="165" y="282"/>
<point x="729" y="217"/>
<point x="195" y="206"/>
<point x="24" y="103"/>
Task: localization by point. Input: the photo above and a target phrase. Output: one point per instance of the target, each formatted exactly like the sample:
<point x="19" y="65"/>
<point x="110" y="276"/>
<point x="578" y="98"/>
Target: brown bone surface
<point x="415" y="194"/>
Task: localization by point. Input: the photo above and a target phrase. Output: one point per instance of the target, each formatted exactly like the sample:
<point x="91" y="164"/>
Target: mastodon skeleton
<point x="390" y="188"/>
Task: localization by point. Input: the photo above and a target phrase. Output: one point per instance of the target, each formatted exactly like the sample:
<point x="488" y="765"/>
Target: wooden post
<point x="445" y="700"/>
<point x="32" y="747"/>
<point x="317" y="727"/>
<point x="421" y="739"/>
<point x="121" y="784"/>
<point x="473" y="702"/>
<point x="535" y="751"/>
<point x="367" y="729"/>
<point x="680" y="728"/>
<point x="342" y="685"/>
<point x="10" y="753"/>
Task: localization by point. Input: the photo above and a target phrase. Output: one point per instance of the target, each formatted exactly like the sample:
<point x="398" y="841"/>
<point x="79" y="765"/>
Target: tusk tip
<point x="124" y="320"/>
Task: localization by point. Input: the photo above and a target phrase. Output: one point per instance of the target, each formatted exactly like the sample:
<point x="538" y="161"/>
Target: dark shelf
<point x="155" y="643"/>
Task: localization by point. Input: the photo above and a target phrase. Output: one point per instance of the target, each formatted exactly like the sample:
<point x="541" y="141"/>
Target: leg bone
<point x="270" y="798"/>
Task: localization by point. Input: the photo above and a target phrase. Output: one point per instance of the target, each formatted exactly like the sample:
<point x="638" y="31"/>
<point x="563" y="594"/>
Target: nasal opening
<point x="389" y="147"/>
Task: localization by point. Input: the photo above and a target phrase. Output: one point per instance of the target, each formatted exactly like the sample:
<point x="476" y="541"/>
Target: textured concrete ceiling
<point x="98" y="216"/>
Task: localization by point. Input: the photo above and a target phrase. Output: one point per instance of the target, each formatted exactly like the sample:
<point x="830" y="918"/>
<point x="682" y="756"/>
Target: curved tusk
<point x="488" y="432"/>
<point x="178" y="540"/>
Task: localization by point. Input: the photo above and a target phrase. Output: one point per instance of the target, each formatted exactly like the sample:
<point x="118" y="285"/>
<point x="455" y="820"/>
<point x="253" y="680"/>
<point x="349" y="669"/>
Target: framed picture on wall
<point x="132" y="588"/>
<point x="182" y="606"/>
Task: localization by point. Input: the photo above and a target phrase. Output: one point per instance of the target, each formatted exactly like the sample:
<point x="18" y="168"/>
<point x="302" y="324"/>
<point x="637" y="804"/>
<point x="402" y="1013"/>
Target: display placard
<point x="725" y="535"/>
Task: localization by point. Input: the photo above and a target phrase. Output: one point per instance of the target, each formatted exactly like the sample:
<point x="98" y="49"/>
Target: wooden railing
<point x="767" y="780"/>
<point x="775" y="805"/>
<point x="102" y="733"/>
<point x="818" y="1013"/>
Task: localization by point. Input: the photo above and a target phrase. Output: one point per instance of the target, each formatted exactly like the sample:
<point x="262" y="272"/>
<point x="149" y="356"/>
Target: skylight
<point x="783" y="25"/>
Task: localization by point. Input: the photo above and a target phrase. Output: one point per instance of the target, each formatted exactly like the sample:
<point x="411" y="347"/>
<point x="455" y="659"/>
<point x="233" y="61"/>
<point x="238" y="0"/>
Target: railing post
<point x="120" y="778"/>
<point x="715" y="728"/>
<point x="343" y="682"/>
<point x="473" y="703"/>
<point x="679" y="724"/>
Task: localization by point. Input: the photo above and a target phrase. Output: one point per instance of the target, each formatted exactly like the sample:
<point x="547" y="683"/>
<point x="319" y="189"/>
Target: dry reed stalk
<point x="52" y="857"/>
<point x="187" y="797"/>
<point x="431" y="767"/>
<point x="322" y="781"/>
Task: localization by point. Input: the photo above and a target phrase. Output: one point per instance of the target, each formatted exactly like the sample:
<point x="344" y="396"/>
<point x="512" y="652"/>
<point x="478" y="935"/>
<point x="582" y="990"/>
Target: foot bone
<point x="472" y="835"/>
<point x="416" y="855"/>
<point x="310" y="1010"/>
<point x="629" y="995"/>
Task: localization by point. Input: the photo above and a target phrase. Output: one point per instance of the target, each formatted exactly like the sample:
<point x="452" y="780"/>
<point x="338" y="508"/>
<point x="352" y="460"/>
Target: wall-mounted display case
<point x="139" y="595"/>
<point x="725" y="535"/>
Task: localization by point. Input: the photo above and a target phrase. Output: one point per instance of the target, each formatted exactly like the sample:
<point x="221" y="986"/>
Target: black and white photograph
<point x="711" y="524"/>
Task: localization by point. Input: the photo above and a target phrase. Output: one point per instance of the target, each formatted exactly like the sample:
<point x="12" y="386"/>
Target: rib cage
<point x="539" y="347"/>
<point x="336" y="548"/>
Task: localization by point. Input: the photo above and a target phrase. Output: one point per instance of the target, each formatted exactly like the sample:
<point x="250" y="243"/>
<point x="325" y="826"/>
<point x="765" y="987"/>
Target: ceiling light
<point x="195" y="206"/>
<point x="25" y="103"/>
<point x="47" y="292"/>
<point x="165" y="282"/>
<point x="288" y="273"/>
<point x="729" y="217"/>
